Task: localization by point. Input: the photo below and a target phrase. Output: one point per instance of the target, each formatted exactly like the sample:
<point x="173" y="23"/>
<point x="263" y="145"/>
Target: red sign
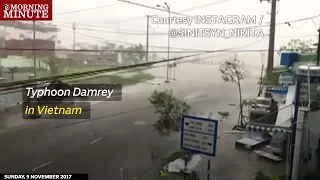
<point x="26" y="10"/>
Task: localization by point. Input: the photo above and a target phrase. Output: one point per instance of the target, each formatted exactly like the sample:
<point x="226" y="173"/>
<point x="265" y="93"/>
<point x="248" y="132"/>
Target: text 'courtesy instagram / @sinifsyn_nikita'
<point x="201" y="26"/>
<point x="67" y="103"/>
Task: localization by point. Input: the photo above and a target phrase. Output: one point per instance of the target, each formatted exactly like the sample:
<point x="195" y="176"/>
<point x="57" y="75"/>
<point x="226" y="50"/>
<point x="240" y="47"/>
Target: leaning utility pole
<point x="261" y="81"/>
<point x="147" y="43"/>
<point x="34" y="51"/>
<point x="272" y="35"/>
<point x="74" y="35"/>
<point x="318" y="47"/>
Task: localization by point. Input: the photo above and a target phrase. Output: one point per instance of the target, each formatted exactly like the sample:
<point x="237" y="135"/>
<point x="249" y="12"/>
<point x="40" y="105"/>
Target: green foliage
<point x="136" y="53"/>
<point x="53" y="65"/>
<point x="297" y="45"/>
<point x="170" y="110"/>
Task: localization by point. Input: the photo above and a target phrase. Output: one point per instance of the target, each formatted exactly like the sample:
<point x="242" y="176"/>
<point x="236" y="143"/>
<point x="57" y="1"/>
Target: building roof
<point x="41" y="27"/>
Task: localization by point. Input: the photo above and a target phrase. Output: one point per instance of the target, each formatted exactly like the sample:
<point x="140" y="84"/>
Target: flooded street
<point x="119" y="134"/>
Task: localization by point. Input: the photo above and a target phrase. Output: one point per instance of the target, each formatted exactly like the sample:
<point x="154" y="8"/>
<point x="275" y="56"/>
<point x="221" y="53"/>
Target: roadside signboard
<point x="277" y="90"/>
<point x="199" y="135"/>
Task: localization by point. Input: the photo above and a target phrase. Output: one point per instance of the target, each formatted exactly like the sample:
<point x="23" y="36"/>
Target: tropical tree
<point x="234" y="71"/>
<point x="136" y="53"/>
<point x="141" y="52"/>
<point x="297" y="45"/>
<point x="109" y="46"/>
<point x="170" y="110"/>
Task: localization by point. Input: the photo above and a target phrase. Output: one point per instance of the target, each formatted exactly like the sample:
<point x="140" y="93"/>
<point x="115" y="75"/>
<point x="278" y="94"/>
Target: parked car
<point x="262" y="105"/>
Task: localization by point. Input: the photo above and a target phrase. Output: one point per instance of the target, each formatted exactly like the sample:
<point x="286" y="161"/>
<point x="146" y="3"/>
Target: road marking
<point x="95" y="102"/>
<point x="139" y="123"/>
<point x="99" y="139"/>
<point x="41" y="166"/>
<point x="121" y="170"/>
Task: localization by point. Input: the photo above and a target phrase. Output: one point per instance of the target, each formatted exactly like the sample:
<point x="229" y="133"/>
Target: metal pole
<point x="169" y="14"/>
<point x="294" y="125"/>
<point x="185" y="167"/>
<point x="318" y="47"/>
<point x="208" y="169"/>
<point x="174" y="73"/>
<point x="272" y="37"/>
<point x="147" y="43"/>
<point x="74" y="35"/>
<point x="34" y="50"/>
<point x="174" y="70"/>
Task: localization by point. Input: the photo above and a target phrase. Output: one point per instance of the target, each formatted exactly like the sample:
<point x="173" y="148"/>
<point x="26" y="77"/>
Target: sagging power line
<point x="20" y="84"/>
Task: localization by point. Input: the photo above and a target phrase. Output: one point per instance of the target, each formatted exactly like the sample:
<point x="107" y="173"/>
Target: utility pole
<point x="74" y="35"/>
<point x="272" y="35"/>
<point x="167" y="8"/>
<point x="261" y="74"/>
<point x="318" y="47"/>
<point x="169" y="14"/>
<point x="34" y="51"/>
<point x="147" y="43"/>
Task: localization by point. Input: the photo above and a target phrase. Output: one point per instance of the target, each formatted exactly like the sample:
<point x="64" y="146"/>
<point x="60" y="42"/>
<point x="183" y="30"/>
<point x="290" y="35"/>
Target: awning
<point x="257" y="127"/>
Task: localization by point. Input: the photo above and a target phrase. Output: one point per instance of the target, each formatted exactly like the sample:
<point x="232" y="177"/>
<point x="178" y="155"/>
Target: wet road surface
<point x="118" y="139"/>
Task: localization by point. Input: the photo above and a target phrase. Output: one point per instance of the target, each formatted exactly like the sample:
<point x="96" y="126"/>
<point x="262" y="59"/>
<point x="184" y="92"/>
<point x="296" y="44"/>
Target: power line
<point x="141" y="33"/>
<point x="206" y="5"/>
<point x="142" y="51"/>
<point x="285" y="22"/>
<point x="24" y="83"/>
<point x="116" y="32"/>
<point x="104" y="27"/>
<point x="135" y="70"/>
<point x="150" y="7"/>
<point x="305" y="23"/>
<point x="140" y="69"/>
<point x="126" y="51"/>
<point x="254" y="26"/>
<point x="88" y="9"/>
<point x="128" y="43"/>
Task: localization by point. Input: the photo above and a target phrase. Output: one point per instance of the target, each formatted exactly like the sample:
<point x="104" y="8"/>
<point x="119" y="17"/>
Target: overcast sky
<point x="124" y="17"/>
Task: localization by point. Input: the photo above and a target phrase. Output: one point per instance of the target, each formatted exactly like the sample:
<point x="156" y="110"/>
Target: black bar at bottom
<point x="45" y="176"/>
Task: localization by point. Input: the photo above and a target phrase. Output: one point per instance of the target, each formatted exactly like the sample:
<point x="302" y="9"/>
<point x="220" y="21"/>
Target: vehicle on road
<point x="261" y="105"/>
<point x="264" y="110"/>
